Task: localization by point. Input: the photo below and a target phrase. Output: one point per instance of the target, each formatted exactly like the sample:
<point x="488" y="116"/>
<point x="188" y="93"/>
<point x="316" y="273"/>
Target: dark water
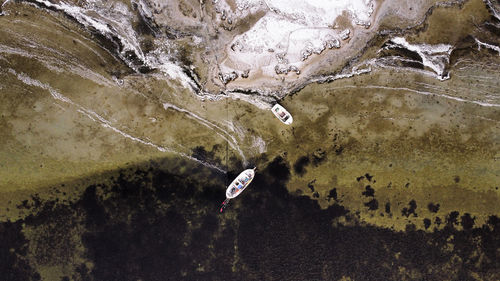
<point x="150" y="224"/>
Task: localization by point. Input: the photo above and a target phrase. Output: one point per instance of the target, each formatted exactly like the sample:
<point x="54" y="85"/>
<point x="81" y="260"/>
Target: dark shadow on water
<point x="152" y="224"/>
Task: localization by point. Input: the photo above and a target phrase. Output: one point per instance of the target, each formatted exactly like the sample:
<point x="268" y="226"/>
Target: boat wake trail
<point x="103" y="121"/>
<point x="217" y="129"/>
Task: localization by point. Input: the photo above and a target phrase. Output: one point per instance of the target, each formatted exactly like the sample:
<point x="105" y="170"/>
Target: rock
<point x="236" y="46"/>
<point x="294" y="69"/>
<point x="284" y="69"/>
<point x="345" y="34"/>
<point x="281" y="69"/>
<point x="228" y="77"/>
<point x="306" y="52"/>
<point x="332" y="43"/>
<point x="281" y="58"/>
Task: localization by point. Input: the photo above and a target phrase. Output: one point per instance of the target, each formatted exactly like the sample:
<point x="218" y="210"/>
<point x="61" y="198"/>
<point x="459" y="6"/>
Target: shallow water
<point x="117" y="142"/>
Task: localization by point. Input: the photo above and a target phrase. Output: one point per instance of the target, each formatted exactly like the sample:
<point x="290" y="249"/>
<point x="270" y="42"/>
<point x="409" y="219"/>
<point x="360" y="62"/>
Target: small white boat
<point x="282" y="114"/>
<point x="238" y="185"/>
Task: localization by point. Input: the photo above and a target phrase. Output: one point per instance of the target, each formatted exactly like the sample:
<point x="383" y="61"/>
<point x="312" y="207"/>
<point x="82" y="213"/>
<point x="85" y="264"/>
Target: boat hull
<point x="282" y="114"/>
<point x="240" y="183"/>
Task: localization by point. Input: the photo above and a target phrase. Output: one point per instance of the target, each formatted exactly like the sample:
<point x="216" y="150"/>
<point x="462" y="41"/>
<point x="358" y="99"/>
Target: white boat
<point x="238" y="185"/>
<point x="282" y="114"/>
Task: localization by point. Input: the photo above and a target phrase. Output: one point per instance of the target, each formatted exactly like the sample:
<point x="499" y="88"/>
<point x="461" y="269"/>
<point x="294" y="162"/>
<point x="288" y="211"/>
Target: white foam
<point x="3" y="13"/>
<point x="492" y="7"/>
<point x="260" y="101"/>
<point x="101" y="120"/>
<point x="232" y="141"/>
<point x="363" y="68"/>
<point x="114" y="20"/>
<point x="160" y="60"/>
<point x="383" y="63"/>
<point x="259" y="144"/>
<point x="489" y="46"/>
<point x="144" y="8"/>
<point x="117" y="23"/>
<point x="436" y="57"/>
<point x="59" y="66"/>
<point x="485" y="104"/>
